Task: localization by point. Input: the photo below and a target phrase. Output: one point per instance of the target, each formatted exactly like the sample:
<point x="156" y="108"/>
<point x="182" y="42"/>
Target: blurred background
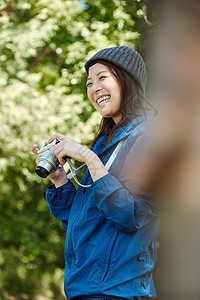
<point x="44" y="45"/>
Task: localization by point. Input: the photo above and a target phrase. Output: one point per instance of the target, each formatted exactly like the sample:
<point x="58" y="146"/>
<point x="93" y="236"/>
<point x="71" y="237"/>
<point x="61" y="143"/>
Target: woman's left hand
<point x="68" y="147"/>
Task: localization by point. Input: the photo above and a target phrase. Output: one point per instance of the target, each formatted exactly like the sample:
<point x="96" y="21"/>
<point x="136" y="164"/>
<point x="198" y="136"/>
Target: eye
<point x="88" y="84"/>
<point x="101" y="77"/>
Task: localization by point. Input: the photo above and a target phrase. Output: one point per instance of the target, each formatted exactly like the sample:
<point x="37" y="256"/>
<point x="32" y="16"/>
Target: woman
<point x="111" y="228"/>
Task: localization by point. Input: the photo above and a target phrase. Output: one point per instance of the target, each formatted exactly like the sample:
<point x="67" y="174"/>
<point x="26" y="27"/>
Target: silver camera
<point x="48" y="162"/>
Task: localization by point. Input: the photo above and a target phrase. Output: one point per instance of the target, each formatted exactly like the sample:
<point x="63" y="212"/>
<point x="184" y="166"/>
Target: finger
<point x="34" y="148"/>
<point x="37" y="159"/>
<point x="57" y="151"/>
<point x="61" y="156"/>
<point x="59" y="167"/>
<point x="60" y="146"/>
<point x="56" y="136"/>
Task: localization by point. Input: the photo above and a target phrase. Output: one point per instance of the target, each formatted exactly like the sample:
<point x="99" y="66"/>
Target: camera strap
<point x="75" y="171"/>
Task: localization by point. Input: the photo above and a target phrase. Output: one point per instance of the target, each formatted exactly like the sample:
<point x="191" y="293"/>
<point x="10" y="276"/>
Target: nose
<point x="96" y="88"/>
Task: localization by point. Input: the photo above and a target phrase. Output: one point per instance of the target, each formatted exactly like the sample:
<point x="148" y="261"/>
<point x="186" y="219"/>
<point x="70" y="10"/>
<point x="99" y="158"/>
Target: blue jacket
<point x="111" y="228"/>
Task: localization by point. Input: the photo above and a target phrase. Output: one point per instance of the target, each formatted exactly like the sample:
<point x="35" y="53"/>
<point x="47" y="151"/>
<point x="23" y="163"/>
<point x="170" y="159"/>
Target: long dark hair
<point x="132" y="104"/>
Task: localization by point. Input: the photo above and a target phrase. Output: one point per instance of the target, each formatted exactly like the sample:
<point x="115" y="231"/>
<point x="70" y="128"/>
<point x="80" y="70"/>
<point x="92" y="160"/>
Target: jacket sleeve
<point x="60" y="200"/>
<point x="128" y="207"/>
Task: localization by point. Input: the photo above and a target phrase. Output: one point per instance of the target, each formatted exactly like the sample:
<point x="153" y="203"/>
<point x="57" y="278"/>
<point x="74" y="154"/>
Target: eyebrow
<point x="97" y="74"/>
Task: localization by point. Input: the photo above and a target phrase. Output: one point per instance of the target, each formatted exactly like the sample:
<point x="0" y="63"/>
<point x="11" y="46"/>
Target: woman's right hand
<point x="59" y="176"/>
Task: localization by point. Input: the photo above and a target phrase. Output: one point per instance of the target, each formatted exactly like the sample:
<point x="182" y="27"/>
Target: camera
<point x="48" y="162"/>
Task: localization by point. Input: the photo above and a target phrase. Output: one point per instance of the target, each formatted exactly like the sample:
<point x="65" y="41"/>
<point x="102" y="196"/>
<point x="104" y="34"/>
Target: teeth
<point x="103" y="99"/>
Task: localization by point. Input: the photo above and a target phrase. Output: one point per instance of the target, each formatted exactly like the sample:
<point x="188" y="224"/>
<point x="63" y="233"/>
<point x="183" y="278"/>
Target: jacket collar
<point x="124" y="131"/>
<point x="120" y="134"/>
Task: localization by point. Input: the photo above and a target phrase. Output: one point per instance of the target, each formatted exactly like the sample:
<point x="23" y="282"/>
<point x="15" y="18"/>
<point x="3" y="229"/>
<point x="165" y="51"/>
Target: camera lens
<point x="42" y="172"/>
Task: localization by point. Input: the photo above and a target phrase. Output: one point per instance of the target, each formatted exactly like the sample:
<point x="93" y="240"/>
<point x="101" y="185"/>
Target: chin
<point x="106" y="116"/>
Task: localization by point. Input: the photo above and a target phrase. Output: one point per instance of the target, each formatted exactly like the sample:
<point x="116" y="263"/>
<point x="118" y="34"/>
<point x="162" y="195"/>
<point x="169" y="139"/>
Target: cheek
<point x="89" y="95"/>
<point x="118" y="99"/>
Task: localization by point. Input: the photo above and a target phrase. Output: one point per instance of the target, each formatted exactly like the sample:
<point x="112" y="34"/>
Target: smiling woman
<point x="104" y="91"/>
<point x="111" y="225"/>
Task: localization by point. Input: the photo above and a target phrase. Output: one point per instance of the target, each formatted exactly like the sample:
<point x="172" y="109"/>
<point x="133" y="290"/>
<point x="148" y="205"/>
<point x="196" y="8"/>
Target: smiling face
<point x="104" y="91"/>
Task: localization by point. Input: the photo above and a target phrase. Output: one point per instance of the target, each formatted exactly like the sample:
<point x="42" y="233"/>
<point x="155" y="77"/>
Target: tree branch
<point x="5" y="10"/>
<point x="45" y="51"/>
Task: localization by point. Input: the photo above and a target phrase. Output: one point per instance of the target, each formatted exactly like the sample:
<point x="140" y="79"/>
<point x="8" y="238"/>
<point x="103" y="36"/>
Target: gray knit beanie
<point x="126" y="58"/>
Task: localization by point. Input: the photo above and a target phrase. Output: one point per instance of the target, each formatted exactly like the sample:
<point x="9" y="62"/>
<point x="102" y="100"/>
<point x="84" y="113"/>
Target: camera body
<point x="48" y="162"/>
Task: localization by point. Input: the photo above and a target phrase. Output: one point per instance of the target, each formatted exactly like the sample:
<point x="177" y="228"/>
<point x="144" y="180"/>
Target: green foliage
<point x="43" y="47"/>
